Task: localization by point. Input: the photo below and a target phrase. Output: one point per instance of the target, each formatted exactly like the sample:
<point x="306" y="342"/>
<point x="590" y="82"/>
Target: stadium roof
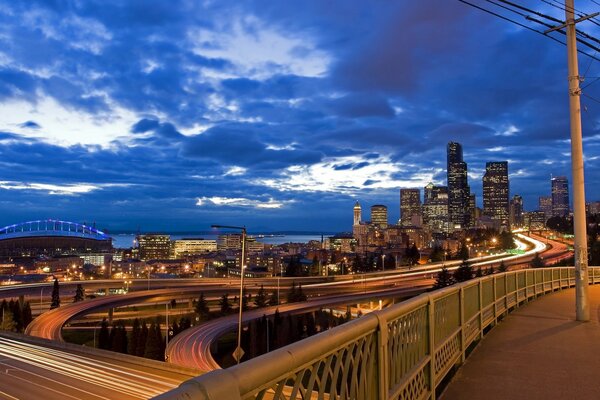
<point x="51" y="227"/>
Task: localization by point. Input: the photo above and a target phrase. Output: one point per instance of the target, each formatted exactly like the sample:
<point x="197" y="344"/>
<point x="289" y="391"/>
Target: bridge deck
<point x="537" y="352"/>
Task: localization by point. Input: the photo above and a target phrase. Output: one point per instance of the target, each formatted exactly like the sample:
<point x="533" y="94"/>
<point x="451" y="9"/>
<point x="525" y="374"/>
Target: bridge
<point x="406" y="351"/>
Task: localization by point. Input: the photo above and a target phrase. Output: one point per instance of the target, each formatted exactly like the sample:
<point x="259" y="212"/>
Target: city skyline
<point x="278" y="117"/>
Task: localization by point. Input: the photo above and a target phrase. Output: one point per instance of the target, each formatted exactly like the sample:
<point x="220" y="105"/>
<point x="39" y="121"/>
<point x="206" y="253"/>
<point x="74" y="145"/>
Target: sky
<point x="276" y="115"/>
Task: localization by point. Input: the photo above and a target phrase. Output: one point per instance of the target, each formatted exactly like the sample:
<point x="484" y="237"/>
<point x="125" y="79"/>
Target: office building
<point x="560" y="196"/>
<point x="495" y="192"/>
<point x="545" y="206"/>
<point x="154" y="247"/>
<point x="379" y="216"/>
<point x="435" y="208"/>
<point x="458" y="187"/>
<point x="516" y="211"/>
<point x="191" y="247"/>
<point x="410" y="207"/>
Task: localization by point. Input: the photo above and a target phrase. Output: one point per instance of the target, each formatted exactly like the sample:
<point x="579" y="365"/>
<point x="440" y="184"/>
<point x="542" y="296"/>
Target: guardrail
<point x="401" y="352"/>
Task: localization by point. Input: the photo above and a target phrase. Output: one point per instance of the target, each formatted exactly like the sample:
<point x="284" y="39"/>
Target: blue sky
<point x="173" y="115"/>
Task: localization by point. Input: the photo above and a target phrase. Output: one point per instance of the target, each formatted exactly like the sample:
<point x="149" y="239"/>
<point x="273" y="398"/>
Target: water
<point x="125" y="240"/>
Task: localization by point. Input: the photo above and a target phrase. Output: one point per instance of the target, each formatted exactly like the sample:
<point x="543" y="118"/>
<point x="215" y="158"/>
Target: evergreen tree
<point x="300" y="296"/>
<point x="502" y="267"/>
<point x="463" y="253"/>
<point x="444" y="278"/>
<point x="153" y="343"/>
<point x="260" y="300"/>
<point x="119" y="337"/>
<point x="491" y="270"/>
<point x="357" y="264"/>
<point x="104" y="336"/>
<point x="17" y="315"/>
<point x="7" y="322"/>
<point x="246" y="301"/>
<point x="463" y="273"/>
<point x="184" y="323"/>
<point x="507" y="241"/>
<point x="175" y="328"/>
<point x="225" y="304"/>
<point x="537" y="262"/>
<point x="26" y="315"/>
<point x="414" y="254"/>
<point x="202" y="308"/>
<point x="437" y="254"/>
<point x="143" y="338"/>
<point x="273" y="299"/>
<point x="134" y="337"/>
<point x="291" y="295"/>
<point x="55" y="295"/>
<point x="79" y="294"/>
<point x="479" y="273"/>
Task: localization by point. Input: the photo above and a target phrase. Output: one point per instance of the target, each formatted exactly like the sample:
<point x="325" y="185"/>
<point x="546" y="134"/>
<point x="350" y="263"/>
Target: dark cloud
<point x="402" y="79"/>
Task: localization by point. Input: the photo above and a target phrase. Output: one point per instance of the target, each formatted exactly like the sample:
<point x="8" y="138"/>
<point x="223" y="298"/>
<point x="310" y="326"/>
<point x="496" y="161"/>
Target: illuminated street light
<point x="238" y="351"/>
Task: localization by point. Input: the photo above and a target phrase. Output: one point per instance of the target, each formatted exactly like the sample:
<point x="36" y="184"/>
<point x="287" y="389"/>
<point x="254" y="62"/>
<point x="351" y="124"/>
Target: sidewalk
<point x="537" y="352"/>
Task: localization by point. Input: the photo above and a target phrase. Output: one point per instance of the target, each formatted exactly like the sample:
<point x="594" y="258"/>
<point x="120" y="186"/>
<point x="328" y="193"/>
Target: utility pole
<point x="581" y="259"/>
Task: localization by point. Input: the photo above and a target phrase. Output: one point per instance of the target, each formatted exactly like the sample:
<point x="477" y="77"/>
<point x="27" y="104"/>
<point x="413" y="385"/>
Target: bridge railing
<point x="401" y="352"/>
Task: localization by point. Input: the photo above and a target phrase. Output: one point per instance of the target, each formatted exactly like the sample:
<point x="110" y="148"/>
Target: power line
<point x="530" y="28"/>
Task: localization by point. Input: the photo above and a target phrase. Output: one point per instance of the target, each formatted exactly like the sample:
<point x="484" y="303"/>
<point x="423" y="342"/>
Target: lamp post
<point x="238" y="351"/>
<point x="383" y="262"/>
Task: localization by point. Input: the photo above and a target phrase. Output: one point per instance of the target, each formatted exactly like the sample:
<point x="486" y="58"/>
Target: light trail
<point x="61" y="374"/>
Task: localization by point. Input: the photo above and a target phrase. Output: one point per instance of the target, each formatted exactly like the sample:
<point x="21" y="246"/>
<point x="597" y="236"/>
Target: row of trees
<point x="464" y="273"/>
<point x="15" y="315"/>
<point x="55" y="301"/>
<point x="143" y="340"/>
<point x="269" y="333"/>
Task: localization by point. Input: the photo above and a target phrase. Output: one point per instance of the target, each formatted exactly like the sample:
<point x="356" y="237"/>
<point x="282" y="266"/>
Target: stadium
<point x="51" y="237"/>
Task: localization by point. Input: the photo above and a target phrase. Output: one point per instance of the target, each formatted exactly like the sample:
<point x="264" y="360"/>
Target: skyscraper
<point x="435" y="208"/>
<point x="410" y="206"/>
<point x="458" y="187"/>
<point x="560" y="196"/>
<point x="379" y="216"/>
<point x="357" y="213"/>
<point x="545" y="206"/>
<point x="516" y="211"/>
<point x="495" y="192"/>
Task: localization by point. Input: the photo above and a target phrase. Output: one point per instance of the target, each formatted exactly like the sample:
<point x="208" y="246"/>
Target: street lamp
<point x="238" y="351"/>
<point x="383" y="262"/>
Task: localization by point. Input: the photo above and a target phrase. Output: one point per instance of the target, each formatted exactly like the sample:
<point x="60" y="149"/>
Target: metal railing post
<point x="431" y="314"/>
<point x="382" y="365"/>
<point x="461" y="308"/>
<point x="495" y="299"/>
<point x="480" y="284"/>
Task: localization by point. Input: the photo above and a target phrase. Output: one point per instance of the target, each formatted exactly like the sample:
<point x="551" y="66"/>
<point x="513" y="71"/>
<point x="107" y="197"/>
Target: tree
<point x="202" y="308"/>
<point x="463" y="273"/>
<point x="260" y="300"/>
<point x="490" y="270"/>
<point x="153" y="343"/>
<point x="537" y="262"/>
<point x="26" y="315"/>
<point x="6" y="322"/>
<point x="119" y="338"/>
<point x="55" y="295"/>
<point x="141" y="344"/>
<point x="414" y="254"/>
<point x="479" y="273"/>
<point x="507" y="241"/>
<point x="134" y="337"/>
<point x="502" y="267"/>
<point x="104" y="336"/>
<point x="437" y="254"/>
<point x="291" y="294"/>
<point x="274" y="299"/>
<point x="444" y="278"/>
<point x="225" y="304"/>
<point x="246" y="300"/>
<point x="463" y="253"/>
<point x="79" y="294"/>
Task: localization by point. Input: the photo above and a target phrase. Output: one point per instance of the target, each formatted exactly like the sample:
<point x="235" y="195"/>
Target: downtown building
<point x="560" y="196"/>
<point x="545" y="206"/>
<point x="379" y="216"/>
<point x="495" y="193"/>
<point x="516" y="212"/>
<point x="458" y="188"/>
<point x="153" y="246"/>
<point x="435" y="209"/>
<point x="410" y="207"/>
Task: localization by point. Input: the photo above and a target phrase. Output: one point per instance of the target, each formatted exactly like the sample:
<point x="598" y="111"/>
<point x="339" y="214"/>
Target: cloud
<point x="241" y="202"/>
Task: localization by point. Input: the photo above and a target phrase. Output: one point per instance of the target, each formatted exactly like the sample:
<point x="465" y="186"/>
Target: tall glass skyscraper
<point x="495" y="192"/>
<point x="560" y="196"/>
<point x="458" y="187"/>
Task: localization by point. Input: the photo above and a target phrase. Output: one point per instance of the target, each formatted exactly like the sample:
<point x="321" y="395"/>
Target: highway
<point x="29" y="371"/>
